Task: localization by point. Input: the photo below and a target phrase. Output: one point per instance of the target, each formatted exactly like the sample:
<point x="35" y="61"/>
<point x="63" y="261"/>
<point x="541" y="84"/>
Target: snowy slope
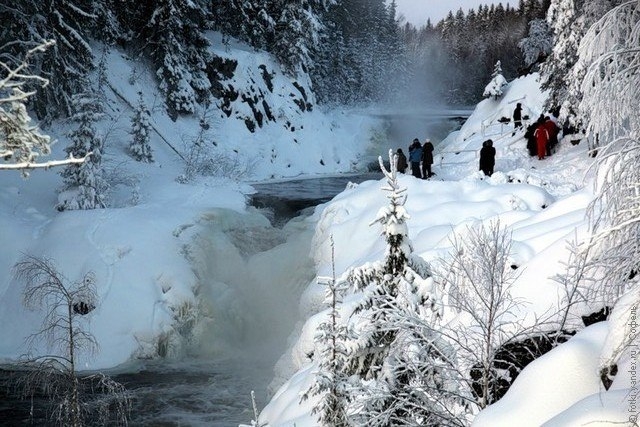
<point x="543" y="204"/>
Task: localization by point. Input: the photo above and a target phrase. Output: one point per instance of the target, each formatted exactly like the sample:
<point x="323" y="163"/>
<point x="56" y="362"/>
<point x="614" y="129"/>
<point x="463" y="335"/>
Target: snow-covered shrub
<point x="64" y="305"/>
<point x="477" y="276"/>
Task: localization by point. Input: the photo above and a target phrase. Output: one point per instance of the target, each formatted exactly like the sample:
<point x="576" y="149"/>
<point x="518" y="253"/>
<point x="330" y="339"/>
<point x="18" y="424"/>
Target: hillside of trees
<point x="355" y="51"/>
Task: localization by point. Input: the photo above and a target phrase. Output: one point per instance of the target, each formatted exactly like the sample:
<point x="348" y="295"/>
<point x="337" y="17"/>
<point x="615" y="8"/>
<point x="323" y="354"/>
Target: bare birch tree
<point x="478" y="277"/>
<point x="74" y="398"/>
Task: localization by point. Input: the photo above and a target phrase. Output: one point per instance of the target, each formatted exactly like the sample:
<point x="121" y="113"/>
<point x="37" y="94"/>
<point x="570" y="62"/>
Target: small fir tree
<point x="330" y="380"/>
<point x="83" y="184"/>
<point x="497" y="83"/>
<point x="141" y="132"/>
<point x="387" y="388"/>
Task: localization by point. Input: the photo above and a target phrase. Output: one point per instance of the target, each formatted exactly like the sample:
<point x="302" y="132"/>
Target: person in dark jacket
<point x="487" y="157"/>
<point x="427" y="159"/>
<point x="532" y="146"/>
<point x="415" y="155"/>
<point x="517" y="116"/>
<point x="401" y="163"/>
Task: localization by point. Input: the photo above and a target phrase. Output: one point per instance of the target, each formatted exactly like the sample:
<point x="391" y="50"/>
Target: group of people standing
<point x="420" y="158"/>
<point x="542" y="136"/>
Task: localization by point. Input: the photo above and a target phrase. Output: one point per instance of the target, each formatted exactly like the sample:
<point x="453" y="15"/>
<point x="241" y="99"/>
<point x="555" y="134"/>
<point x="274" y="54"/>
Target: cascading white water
<point x="251" y="277"/>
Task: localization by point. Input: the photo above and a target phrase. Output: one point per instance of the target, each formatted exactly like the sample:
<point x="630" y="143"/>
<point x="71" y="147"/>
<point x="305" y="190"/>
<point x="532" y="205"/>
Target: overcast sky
<point x="417" y="11"/>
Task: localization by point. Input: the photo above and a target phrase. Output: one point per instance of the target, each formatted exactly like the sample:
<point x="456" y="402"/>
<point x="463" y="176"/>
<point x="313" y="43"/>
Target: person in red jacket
<point x="542" y="138"/>
<point x="552" y="130"/>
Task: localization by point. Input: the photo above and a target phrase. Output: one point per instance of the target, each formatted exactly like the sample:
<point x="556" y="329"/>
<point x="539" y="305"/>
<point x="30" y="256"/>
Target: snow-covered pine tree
<point x="330" y="381"/>
<point x="141" y="132"/>
<point x="389" y="384"/>
<point x="497" y="83"/>
<point x="538" y="43"/>
<point x="83" y="184"/>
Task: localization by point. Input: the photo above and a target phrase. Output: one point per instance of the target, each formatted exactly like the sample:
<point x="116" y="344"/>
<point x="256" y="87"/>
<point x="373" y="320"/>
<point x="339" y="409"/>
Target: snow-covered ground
<point x="145" y="249"/>
<point x="542" y="202"/>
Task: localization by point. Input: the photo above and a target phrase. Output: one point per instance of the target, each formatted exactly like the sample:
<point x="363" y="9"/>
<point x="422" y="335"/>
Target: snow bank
<point x="551" y="383"/>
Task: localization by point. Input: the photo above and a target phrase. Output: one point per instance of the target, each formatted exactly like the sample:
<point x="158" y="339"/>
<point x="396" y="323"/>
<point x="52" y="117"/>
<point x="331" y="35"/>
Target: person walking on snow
<point x="427" y="159"/>
<point x="487" y="157"/>
<point x="517" y="116"/>
<point x="415" y="155"/>
<point x="401" y="163"/>
<point x="542" y="138"/>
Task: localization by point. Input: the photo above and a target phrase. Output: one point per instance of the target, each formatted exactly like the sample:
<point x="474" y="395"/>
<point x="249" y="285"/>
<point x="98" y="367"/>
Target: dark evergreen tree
<point x="170" y="32"/>
<point x="251" y="22"/>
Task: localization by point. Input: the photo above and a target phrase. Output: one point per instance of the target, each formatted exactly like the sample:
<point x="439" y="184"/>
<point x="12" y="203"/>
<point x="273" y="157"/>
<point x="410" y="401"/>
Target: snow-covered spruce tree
<point x="298" y="33"/>
<point x="477" y="277"/>
<point x="171" y="33"/>
<point x="54" y="375"/>
<point x="248" y="21"/>
<point x="497" y="83"/>
<point x="141" y="132"/>
<point x="330" y="381"/>
<point x="83" y="184"/>
<point x="394" y="373"/>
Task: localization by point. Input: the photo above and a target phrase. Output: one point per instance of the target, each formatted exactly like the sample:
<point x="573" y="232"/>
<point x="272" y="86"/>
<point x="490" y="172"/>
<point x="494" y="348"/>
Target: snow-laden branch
<point x="21" y="143"/>
<point x="46" y="165"/>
